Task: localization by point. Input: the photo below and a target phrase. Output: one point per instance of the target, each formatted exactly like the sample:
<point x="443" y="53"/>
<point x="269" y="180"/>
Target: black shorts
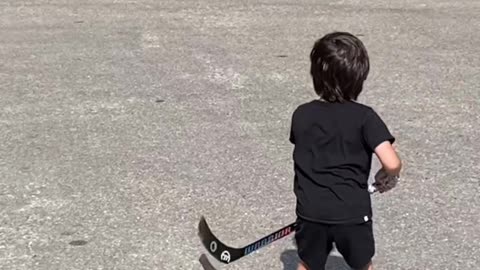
<point x="354" y="241"/>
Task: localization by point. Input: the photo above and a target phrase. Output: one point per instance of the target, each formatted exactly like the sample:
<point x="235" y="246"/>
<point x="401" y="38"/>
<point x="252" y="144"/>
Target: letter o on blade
<point x="213" y="246"/>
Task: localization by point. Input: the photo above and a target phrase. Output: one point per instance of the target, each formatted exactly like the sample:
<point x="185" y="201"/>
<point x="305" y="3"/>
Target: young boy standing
<point x="334" y="138"/>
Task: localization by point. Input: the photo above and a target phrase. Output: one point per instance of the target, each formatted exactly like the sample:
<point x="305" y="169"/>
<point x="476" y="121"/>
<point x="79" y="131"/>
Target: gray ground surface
<point x="122" y="122"/>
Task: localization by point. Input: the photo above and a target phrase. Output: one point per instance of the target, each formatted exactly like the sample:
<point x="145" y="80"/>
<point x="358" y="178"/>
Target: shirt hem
<point x="355" y="220"/>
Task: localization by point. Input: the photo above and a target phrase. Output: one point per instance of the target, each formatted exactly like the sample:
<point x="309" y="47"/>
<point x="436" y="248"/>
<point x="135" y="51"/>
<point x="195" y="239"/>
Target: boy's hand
<point x="384" y="182"/>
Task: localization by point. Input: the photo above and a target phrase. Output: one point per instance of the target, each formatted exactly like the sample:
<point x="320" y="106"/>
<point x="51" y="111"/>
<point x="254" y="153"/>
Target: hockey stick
<point x="226" y="254"/>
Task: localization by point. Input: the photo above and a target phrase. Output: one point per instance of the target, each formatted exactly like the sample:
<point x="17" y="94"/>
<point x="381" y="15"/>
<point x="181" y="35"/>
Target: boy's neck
<point x="321" y="99"/>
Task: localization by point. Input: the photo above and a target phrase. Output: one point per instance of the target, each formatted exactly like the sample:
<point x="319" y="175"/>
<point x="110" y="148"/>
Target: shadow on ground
<point x="290" y="261"/>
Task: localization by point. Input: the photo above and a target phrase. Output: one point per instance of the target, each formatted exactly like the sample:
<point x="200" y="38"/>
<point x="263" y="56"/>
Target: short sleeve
<point x="294" y="126"/>
<point x="292" y="134"/>
<point x="375" y="131"/>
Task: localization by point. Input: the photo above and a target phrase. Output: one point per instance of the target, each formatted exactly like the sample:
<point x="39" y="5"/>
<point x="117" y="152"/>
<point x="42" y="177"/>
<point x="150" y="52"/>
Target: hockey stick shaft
<point x="283" y="232"/>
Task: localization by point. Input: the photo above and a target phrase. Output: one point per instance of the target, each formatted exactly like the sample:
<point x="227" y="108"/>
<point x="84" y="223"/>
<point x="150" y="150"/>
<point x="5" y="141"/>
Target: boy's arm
<point x="292" y="134"/>
<point x="379" y="139"/>
<point x="388" y="157"/>
<point x="292" y="137"/>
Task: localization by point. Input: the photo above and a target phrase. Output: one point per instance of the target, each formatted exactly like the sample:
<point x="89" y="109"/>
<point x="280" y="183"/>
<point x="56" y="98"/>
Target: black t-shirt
<point x="334" y="143"/>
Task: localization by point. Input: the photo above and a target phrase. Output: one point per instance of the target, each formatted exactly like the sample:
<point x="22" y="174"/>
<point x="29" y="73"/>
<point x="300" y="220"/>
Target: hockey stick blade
<point x="226" y="254"/>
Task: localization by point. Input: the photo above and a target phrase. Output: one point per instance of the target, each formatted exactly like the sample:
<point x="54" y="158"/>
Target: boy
<point x="334" y="138"/>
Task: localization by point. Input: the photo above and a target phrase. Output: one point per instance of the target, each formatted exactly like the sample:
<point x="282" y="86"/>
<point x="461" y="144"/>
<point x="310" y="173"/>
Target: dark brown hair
<point x="339" y="66"/>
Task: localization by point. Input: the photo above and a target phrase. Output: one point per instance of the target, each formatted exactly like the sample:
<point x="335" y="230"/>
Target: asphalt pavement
<point x="122" y="122"/>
